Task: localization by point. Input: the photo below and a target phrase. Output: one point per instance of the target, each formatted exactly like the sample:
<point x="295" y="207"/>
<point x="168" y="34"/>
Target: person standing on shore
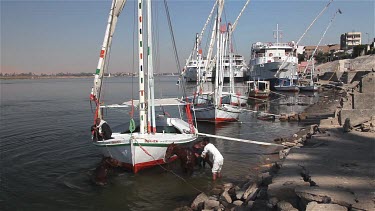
<point x="218" y="158"/>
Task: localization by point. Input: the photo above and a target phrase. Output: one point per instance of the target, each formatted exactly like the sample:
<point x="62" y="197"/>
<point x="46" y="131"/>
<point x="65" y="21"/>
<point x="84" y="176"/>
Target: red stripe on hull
<point x="139" y="166"/>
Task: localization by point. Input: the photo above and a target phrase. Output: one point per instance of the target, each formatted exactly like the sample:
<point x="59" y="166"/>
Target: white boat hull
<point x="267" y="71"/>
<point x="138" y="151"/>
<point x="224" y="113"/>
<point x="141" y="150"/>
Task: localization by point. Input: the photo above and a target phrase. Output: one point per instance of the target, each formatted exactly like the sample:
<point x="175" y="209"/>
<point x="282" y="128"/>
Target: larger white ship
<point x="270" y="61"/>
<point x="273" y="60"/>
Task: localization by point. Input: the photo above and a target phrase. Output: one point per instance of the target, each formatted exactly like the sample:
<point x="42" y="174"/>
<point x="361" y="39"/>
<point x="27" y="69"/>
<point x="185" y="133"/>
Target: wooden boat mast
<point x="141" y="76"/>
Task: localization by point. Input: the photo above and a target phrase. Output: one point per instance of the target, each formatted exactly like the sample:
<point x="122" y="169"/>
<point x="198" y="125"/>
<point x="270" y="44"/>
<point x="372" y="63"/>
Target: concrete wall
<point x="356" y="116"/>
<point x="368" y="83"/>
<point x="364" y="101"/>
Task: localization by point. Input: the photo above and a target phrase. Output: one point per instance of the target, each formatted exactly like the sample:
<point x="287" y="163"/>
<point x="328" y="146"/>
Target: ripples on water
<point x="47" y="158"/>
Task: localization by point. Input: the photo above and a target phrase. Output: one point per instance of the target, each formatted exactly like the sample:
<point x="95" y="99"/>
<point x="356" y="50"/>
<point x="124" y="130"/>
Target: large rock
<point x="226" y="197"/>
<point x="239" y="194"/>
<point x="238" y="202"/>
<point x="211" y="204"/>
<point x="251" y="192"/>
<point x="314" y="206"/>
<point x="283" y="206"/>
<point x="199" y="201"/>
<point x="266" y="178"/>
<point x="336" y="196"/>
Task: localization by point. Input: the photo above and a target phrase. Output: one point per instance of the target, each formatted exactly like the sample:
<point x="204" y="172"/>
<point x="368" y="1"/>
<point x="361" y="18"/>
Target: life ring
<point x="270" y="54"/>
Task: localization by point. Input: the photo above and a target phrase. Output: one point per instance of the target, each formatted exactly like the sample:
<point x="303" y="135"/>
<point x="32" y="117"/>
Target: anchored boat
<point x="144" y="145"/>
<point x="258" y="89"/>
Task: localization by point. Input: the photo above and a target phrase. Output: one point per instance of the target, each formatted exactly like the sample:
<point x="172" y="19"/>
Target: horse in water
<point x="187" y="157"/>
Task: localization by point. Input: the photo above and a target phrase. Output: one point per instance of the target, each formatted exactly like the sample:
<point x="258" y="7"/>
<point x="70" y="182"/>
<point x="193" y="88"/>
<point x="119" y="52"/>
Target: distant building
<point x="350" y="39"/>
<point x="323" y="48"/>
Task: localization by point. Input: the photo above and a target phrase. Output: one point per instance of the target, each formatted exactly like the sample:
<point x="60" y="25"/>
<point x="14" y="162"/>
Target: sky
<point x="54" y="36"/>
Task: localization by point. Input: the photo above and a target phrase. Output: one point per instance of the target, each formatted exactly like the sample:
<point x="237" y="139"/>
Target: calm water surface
<point x="47" y="158"/>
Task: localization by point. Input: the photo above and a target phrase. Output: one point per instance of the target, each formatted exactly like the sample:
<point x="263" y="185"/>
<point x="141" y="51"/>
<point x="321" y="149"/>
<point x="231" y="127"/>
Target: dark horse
<point x="186" y="156"/>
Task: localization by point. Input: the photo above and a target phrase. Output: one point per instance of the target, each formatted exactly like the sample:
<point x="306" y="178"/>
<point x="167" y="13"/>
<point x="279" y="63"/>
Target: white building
<point x="350" y="39"/>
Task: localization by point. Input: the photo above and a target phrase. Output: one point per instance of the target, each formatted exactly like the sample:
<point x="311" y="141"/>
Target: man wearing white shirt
<point x="218" y="158"/>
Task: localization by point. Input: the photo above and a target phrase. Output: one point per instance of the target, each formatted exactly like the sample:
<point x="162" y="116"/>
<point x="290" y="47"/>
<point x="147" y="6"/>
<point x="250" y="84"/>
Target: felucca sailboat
<point x="142" y="146"/>
<point x="213" y="109"/>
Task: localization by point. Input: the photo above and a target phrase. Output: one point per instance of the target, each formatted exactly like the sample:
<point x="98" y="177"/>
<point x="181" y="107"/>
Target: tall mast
<point x="116" y="9"/>
<point x="218" y="52"/>
<point x="142" y="112"/>
<point x="198" y="59"/>
<point x="201" y="34"/>
<point x="150" y="67"/>
<point x="231" y="75"/>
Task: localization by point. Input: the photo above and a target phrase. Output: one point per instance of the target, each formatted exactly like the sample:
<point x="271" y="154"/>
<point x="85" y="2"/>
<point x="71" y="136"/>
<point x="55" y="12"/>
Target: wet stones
<point x="199" y="201"/>
<point x="284" y="206"/>
<point x="315" y="206"/>
<point x="292" y="117"/>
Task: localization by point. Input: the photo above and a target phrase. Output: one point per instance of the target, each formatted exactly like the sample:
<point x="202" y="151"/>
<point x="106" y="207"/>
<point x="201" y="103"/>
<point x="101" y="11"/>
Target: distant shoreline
<point x="64" y="77"/>
<point x="40" y="77"/>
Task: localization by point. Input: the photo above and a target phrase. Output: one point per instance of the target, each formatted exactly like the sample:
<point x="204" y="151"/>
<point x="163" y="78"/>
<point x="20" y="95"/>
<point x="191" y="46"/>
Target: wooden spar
<point x="116" y="8"/>
<point x="96" y="90"/>
<point x="241" y="140"/>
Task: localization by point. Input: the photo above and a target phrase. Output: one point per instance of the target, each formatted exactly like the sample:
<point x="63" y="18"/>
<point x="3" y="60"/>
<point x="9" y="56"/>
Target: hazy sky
<point x="52" y="36"/>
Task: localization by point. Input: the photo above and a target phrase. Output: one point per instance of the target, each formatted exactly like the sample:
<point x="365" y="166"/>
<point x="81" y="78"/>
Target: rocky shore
<point x="327" y="165"/>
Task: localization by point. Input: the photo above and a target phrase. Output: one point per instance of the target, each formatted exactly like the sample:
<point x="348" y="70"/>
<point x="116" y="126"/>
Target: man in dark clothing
<point x="101" y="130"/>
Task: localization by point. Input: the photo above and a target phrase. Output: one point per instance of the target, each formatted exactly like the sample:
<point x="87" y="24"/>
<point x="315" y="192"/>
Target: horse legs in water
<point x="101" y="172"/>
<point x="202" y="161"/>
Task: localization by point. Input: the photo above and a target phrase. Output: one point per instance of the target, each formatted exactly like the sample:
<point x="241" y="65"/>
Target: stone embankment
<point x="361" y="63"/>
<point x="325" y="166"/>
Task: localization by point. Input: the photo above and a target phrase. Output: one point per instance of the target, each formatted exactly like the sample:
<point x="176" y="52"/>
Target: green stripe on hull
<point x="135" y="144"/>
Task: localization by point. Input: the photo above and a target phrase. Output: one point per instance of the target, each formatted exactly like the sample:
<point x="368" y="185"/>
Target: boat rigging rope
<point x="147" y="153"/>
<point x="308" y="28"/>
<point x="174" y="45"/>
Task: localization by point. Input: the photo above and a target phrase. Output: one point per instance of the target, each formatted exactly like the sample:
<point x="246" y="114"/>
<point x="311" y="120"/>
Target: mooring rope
<point x="147" y="153"/>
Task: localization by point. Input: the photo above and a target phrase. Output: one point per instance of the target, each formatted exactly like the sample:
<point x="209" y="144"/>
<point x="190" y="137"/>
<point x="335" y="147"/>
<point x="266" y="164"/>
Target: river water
<point x="47" y="158"/>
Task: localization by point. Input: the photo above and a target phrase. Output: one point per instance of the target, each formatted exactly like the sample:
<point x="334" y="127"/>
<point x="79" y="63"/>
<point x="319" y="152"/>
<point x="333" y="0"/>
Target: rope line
<point x="147" y="153"/>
